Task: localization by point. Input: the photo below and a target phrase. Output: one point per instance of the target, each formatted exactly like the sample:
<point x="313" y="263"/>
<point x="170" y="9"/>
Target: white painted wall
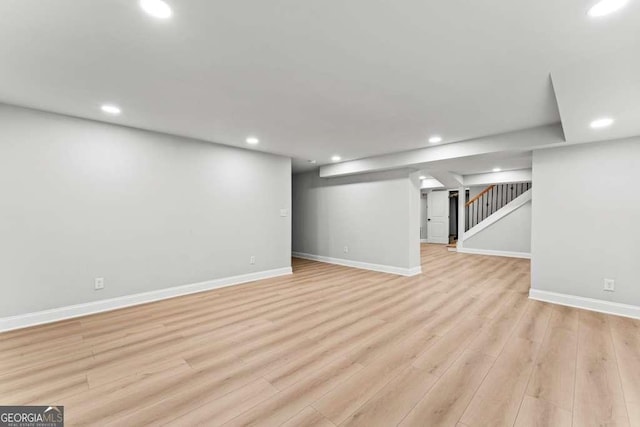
<point x="423" y="215"/>
<point x="414" y="220"/>
<point x="146" y="211"/>
<point x="509" y="234"/>
<point x="585" y="220"/>
<point x="376" y="215"/>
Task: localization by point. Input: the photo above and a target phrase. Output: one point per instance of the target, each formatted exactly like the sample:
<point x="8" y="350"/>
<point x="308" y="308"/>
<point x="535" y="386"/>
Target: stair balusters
<point x="490" y="200"/>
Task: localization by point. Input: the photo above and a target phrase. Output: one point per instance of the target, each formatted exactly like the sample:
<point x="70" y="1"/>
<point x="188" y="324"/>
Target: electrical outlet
<point x="609" y="285"/>
<point x="252" y="260"/>
<point x="346" y="249"/>
<point x="284" y="212"/>
<point x="99" y="283"/>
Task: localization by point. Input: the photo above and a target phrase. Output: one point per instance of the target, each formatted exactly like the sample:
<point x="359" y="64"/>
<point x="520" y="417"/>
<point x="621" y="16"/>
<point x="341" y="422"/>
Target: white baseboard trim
<point x="424" y="241"/>
<point x="516" y="203"/>
<point x="490" y="252"/>
<point x="358" y="264"/>
<point x="601" y="306"/>
<point x="71" y="311"/>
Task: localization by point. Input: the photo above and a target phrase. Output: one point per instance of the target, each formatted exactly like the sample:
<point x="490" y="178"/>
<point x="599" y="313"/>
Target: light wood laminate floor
<point x="459" y="345"/>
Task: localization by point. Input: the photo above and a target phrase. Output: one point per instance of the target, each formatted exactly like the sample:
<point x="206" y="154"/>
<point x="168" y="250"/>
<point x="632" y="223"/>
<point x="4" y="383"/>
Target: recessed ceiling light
<point x="111" y="109"/>
<point x="435" y="139"/>
<point x="336" y="158"/>
<point x="313" y="162"/>
<point x="601" y="123"/>
<point x="253" y="140"/>
<point x="156" y="8"/>
<point x="605" y="7"/>
<point x="422" y="177"/>
<point x="497" y="169"/>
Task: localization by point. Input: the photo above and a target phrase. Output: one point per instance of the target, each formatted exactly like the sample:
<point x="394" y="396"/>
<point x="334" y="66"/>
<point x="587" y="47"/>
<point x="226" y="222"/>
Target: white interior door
<point x="438" y="217"/>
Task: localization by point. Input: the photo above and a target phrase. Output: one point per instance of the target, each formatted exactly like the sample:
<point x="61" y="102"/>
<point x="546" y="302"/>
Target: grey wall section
<point x="585" y="220"/>
<point x="376" y="215"/>
<point x="423" y="215"/>
<point x="414" y="220"/>
<point x="475" y="190"/>
<point x="511" y="233"/>
<point x="82" y="199"/>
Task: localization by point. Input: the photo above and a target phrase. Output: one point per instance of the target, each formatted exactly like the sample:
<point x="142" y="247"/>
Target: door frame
<point x="430" y="239"/>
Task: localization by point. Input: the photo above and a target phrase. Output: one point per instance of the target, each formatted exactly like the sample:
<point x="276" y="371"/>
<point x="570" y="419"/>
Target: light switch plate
<point x="609" y="285"/>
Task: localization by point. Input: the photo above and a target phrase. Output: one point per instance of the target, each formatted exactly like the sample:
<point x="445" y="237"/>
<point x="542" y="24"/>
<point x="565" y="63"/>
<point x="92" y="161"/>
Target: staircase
<point x="490" y="200"/>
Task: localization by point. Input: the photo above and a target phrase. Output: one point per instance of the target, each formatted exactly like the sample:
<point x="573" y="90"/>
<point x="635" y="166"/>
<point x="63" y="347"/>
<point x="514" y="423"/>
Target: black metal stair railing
<point x="490" y="200"/>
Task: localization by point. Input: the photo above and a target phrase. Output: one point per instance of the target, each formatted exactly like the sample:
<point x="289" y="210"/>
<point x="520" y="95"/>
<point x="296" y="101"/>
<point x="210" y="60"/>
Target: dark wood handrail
<point x="486" y="190"/>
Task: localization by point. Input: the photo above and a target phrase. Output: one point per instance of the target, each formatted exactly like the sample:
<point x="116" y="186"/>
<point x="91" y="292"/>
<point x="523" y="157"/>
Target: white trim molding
<point x="423" y="241"/>
<point x="504" y="177"/>
<point x="490" y="252"/>
<point x="592" y="304"/>
<point x="358" y="264"/>
<point x="71" y="311"/>
<point x="499" y="214"/>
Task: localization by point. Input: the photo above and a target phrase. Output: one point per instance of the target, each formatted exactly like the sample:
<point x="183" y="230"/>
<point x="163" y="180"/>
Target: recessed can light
<point x="156" y="8"/>
<point x="601" y="123"/>
<point x="336" y="158"/>
<point x="605" y="7"/>
<point x="313" y="162"/>
<point x="435" y="139"/>
<point x="497" y="169"/>
<point x="252" y="140"/>
<point x="111" y="109"/>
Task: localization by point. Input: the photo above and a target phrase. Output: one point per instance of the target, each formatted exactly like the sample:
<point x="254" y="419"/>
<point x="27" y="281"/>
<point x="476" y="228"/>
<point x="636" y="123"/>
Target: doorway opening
<point x="439" y="216"/>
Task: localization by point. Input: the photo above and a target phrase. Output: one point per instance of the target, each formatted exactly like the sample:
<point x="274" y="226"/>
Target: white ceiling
<point x="486" y="163"/>
<point x="598" y="87"/>
<point x="448" y="172"/>
<point x="310" y="79"/>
